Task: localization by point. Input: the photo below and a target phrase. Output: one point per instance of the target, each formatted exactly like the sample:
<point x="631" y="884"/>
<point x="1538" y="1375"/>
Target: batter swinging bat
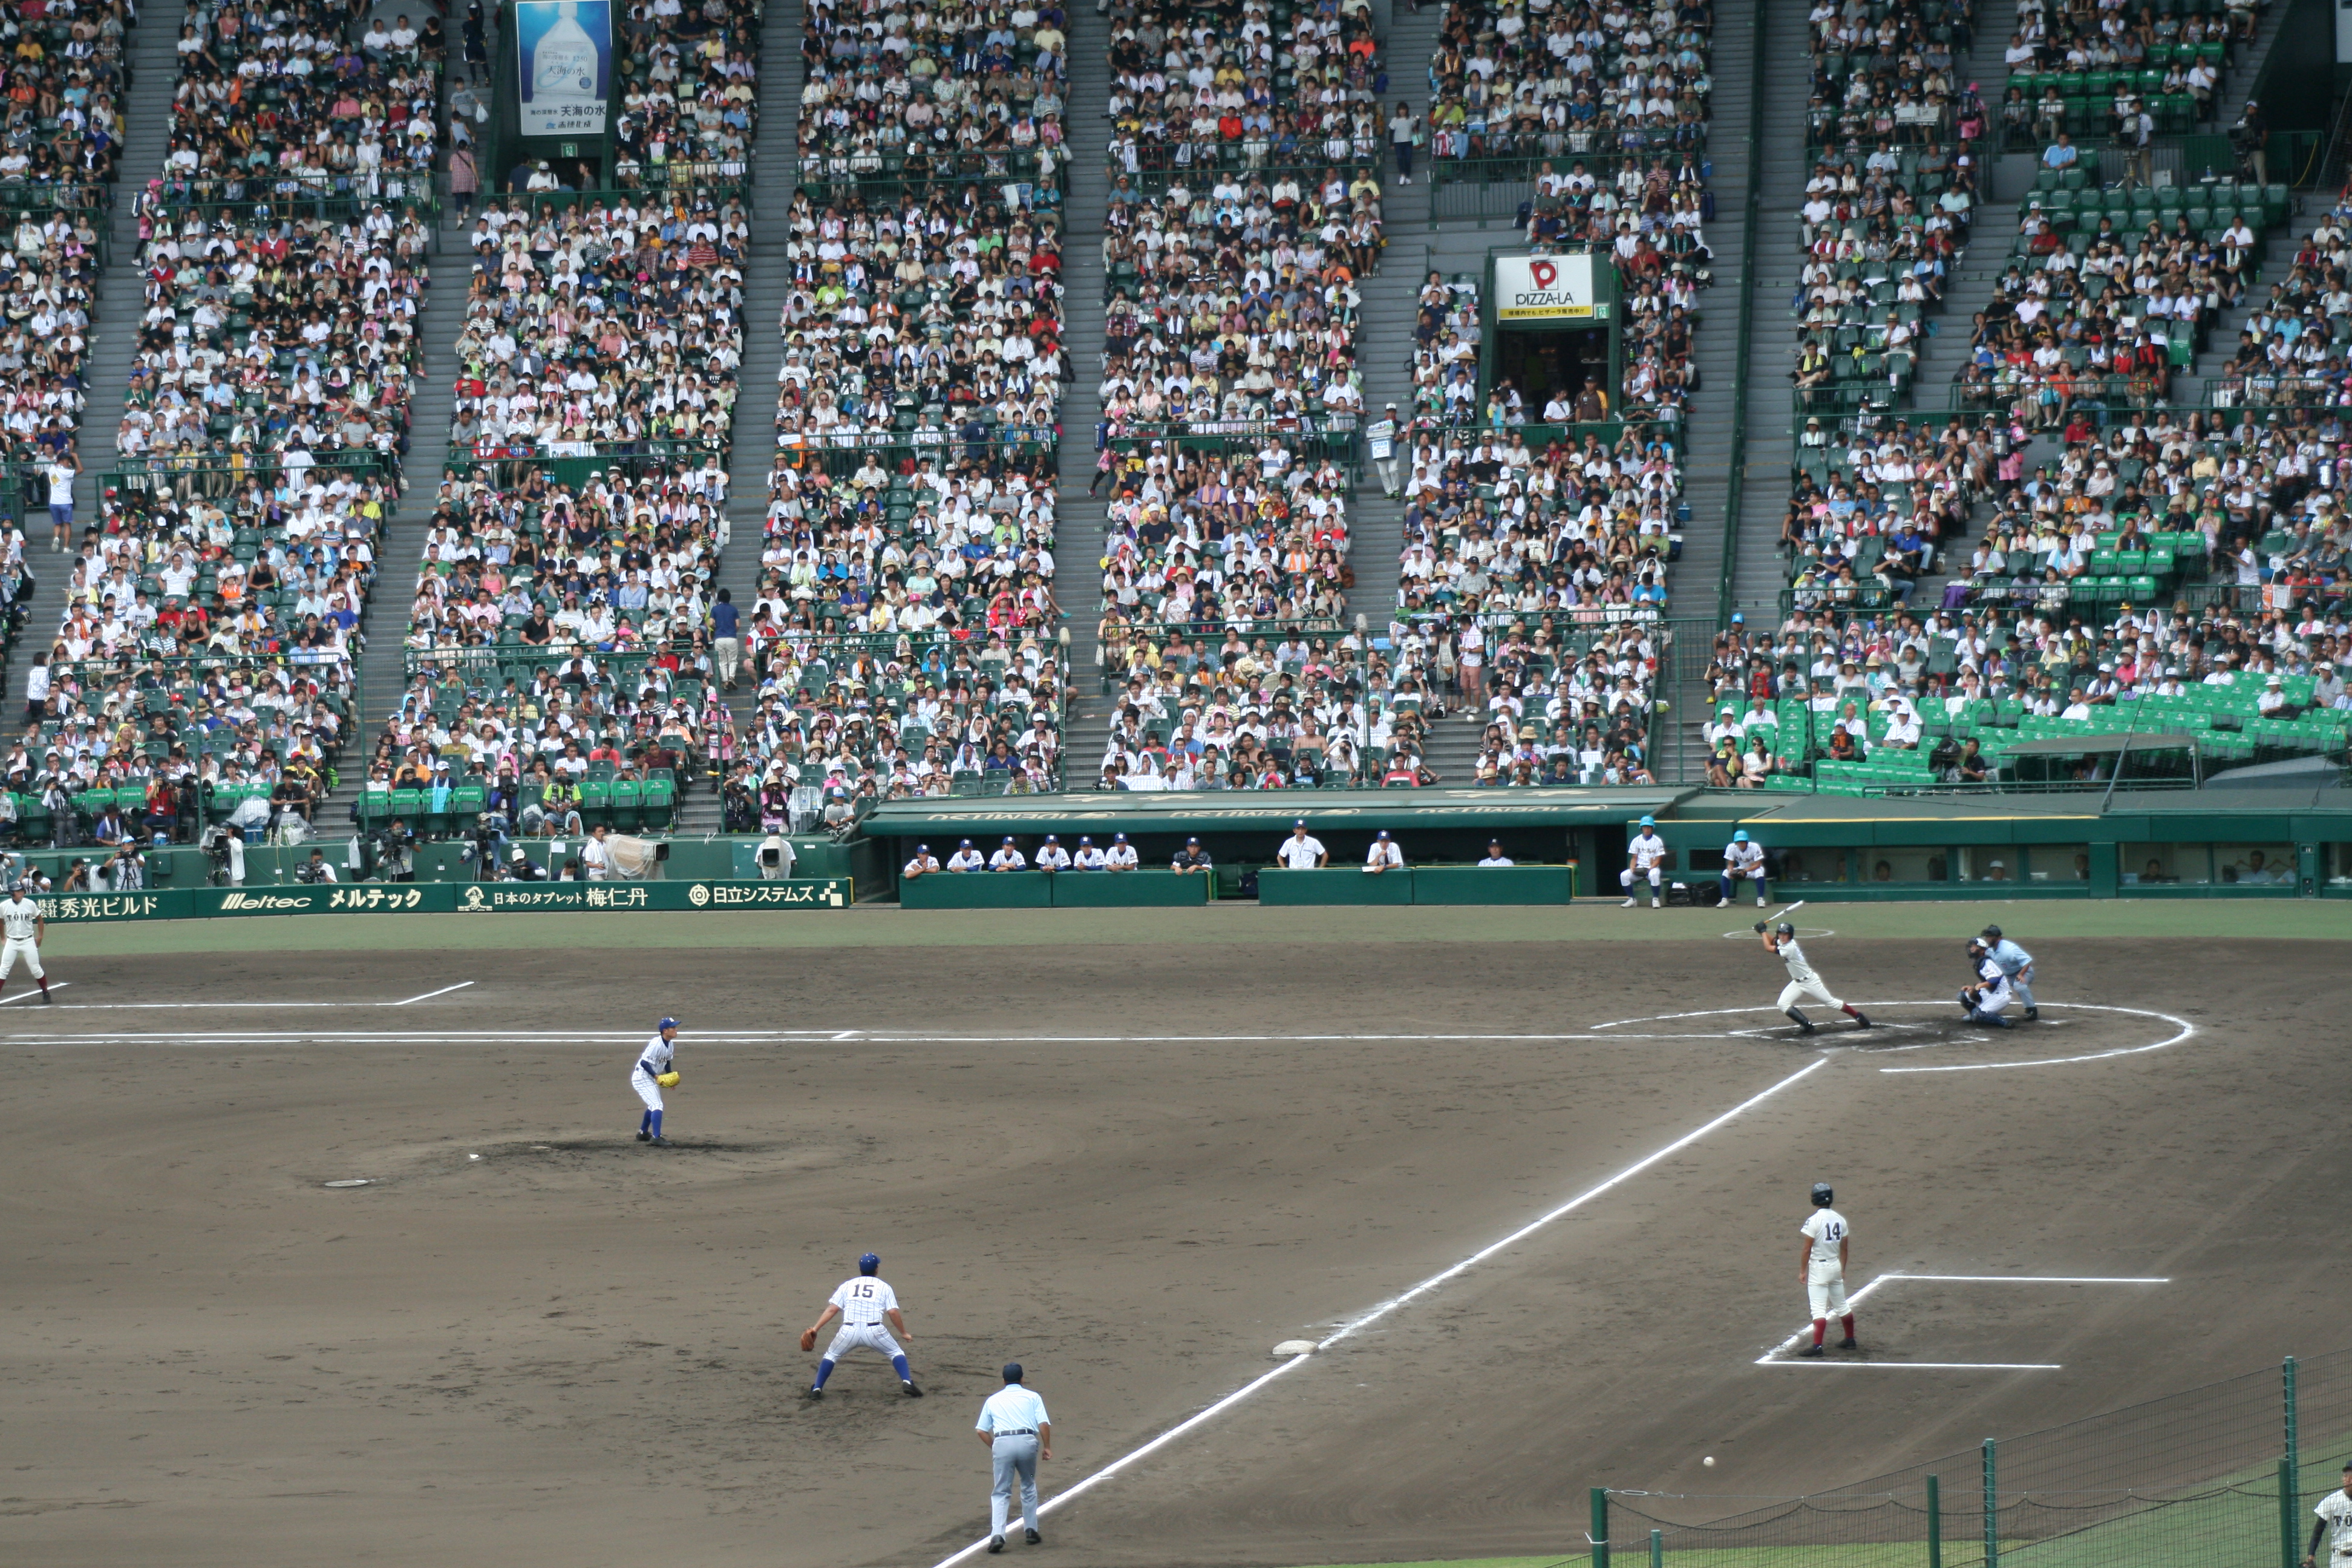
<point x="1792" y="910"/>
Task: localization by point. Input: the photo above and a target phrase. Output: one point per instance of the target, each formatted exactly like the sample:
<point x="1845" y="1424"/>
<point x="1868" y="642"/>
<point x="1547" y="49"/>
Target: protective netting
<point x="2193" y="1479"/>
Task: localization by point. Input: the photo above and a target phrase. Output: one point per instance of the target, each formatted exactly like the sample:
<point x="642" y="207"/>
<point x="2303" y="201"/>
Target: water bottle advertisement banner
<point x="564" y="52"/>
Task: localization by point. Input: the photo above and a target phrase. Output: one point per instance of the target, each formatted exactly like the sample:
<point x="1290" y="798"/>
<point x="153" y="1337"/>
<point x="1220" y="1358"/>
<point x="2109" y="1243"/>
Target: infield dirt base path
<point x="576" y="1349"/>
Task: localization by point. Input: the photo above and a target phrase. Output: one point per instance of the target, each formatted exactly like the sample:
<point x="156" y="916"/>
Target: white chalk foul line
<point x="428" y="996"/>
<point x="1395" y="1303"/>
<point x="2030" y="1279"/>
<point x="1926" y="1365"/>
<point x="36" y="992"/>
<point x="1768" y="1358"/>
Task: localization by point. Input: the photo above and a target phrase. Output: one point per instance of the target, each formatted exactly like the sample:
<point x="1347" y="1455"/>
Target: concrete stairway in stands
<point x="1078" y="518"/>
<point x="767" y="282"/>
<point x="113" y="335"/>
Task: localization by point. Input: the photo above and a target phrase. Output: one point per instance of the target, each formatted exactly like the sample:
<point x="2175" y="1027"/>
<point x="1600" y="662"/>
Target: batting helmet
<point x="1822" y="1194"/>
<point x="1993" y="933"/>
<point x="1785" y="929"/>
<point x="869" y="1264"/>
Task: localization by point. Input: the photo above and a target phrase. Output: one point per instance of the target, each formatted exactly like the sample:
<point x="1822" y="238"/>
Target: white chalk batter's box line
<point x="2182" y="1029"/>
<point x="1773" y="1357"/>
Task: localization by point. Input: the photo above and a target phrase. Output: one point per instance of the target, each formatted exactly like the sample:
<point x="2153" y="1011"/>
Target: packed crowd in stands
<point x="689" y="99"/>
<point x="293" y="101"/>
<point x="2291" y="350"/>
<point x="1570" y="81"/>
<point x="2118" y="73"/>
<point x="604" y="326"/>
<point x="1888" y="76"/>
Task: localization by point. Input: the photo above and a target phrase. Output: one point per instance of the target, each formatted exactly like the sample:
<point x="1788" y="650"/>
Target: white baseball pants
<point x="648" y="1090"/>
<point x="21" y="947"/>
<point x="1796" y="990"/>
<point x="1626" y="877"/>
<point x="1825" y="1290"/>
<point x="867" y="1336"/>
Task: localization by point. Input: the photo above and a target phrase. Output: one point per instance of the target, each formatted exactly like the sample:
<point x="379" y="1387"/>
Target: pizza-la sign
<point x="1530" y="288"/>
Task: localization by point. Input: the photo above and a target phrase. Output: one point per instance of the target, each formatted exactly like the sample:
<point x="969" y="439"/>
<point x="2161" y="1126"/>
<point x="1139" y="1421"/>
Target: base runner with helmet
<point x="862" y="1304"/>
<point x="1990" y="995"/>
<point x="1781" y="940"/>
<point x="23" y="926"/>
<point x="2017" y="964"/>
<point x="1743" y="861"/>
<point x="655" y="1070"/>
<point x="1820" y="1264"/>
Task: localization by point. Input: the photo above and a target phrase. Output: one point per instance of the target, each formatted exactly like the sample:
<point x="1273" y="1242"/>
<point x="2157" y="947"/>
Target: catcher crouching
<point x="655" y="1070"/>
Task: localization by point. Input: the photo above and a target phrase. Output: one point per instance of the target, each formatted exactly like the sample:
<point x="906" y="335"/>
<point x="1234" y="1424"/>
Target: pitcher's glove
<point x="667" y="1079"/>
<point x="808" y="1339"/>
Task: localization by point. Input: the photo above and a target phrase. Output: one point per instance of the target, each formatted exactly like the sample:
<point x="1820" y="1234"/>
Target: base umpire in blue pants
<point x="1018" y="1433"/>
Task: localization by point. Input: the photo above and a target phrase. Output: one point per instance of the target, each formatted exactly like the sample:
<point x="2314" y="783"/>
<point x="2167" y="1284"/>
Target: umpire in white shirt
<point x="1017" y="1433"/>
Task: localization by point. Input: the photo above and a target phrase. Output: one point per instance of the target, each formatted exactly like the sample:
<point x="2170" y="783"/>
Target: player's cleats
<point x="996" y="1543"/>
<point x="2033" y="1014"/>
<point x="1626" y="905"/>
<point x="1849" y="1343"/>
<point x="811" y="1394"/>
<point x="658" y="1139"/>
<point x="643" y="1136"/>
<point x="1807" y="1026"/>
<point x="1811" y="1350"/>
<point x="912" y="1392"/>
<point x="1723" y="903"/>
<point x="1759" y="903"/>
<point x="1862" y="1020"/>
<point x="1036" y="1539"/>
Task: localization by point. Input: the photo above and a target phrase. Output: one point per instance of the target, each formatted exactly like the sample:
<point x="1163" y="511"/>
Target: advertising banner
<point x="1550" y="289"/>
<point x="444" y="898"/>
<point x="563" y="54"/>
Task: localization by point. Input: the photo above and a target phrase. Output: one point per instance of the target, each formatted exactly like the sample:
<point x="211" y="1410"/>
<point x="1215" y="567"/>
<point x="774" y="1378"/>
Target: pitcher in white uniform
<point x="654" y="1058"/>
<point x="862" y="1304"/>
<point x="24" y="925"/>
<point x="1821" y="1263"/>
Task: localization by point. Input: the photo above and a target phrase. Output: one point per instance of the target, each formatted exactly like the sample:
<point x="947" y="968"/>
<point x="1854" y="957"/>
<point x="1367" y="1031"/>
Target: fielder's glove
<point x="808" y="1339"/>
<point x="667" y="1079"/>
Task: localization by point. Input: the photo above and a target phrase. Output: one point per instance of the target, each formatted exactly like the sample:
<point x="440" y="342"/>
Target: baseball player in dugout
<point x="1781" y="940"/>
<point x="654" y="1072"/>
<point x="1820" y="1264"/>
<point x="1645" y="856"/>
<point x="862" y="1304"/>
<point x="24" y="925"/>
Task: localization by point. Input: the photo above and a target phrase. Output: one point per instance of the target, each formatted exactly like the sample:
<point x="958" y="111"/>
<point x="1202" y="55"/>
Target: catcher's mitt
<point x="667" y="1079"/>
<point x="808" y="1339"/>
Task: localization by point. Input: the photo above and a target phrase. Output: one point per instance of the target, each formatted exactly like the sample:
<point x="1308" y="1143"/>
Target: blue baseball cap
<point x="869" y="1263"/>
<point x="1741" y="836"/>
<point x="1649" y="822"/>
<point x="666" y="1024"/>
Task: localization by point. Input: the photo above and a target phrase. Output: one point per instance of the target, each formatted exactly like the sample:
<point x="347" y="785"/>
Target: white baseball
<point x="1708" y="1461"/>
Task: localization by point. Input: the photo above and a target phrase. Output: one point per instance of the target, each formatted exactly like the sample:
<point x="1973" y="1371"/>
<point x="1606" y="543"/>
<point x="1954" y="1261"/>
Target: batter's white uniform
<point x="862" y="1301"/>
<point x="19" y="917"/>
<point x="1825" y="1275"/>
<point x="654" y="1058"/>
<point x="1803" y="980"/>
<point x="1647" y="852"/>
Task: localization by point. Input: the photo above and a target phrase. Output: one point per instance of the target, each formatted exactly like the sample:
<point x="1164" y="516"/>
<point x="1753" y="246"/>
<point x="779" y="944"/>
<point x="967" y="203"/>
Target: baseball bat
<point x="1792" y="910"/>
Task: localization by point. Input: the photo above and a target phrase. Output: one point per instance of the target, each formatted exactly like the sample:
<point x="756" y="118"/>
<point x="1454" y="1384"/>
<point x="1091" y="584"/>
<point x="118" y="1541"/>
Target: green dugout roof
<point x="1223" y="811"/>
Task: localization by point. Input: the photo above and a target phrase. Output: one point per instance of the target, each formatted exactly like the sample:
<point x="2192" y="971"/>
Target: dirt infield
<point x="1127" y="1166"/>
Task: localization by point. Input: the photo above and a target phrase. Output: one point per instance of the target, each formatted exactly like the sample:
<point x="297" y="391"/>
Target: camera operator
<point x="395" y="854"/>
<point x="2250" y="138"/>
<point x="316" y="869"/>
<point x="77" y="877"/>
<point x="521" y="868"/>
<point x="127" y="872"/>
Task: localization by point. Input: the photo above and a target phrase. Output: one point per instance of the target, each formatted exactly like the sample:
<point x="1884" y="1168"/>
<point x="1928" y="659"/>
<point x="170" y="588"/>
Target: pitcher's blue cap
<point x="666" y="1024"/>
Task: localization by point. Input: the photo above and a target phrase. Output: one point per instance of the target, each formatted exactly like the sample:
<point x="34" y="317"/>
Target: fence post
<point x="2287" y="1511"/>
<point x="1599" y="1536"/>
<point x="1657" y="1548"/>
<point x="1992" y="1508"/>
<point x="2293" y="1459"/>
<point x="1935" y="1524"/>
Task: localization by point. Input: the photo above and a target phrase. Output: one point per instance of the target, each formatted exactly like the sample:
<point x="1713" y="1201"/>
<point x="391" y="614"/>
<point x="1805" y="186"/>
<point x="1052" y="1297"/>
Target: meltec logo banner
<point x="1530" y="289"/>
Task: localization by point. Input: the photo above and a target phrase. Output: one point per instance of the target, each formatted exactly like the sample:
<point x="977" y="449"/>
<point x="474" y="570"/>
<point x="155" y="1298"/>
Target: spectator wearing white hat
<point x="1383" y="856"/>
